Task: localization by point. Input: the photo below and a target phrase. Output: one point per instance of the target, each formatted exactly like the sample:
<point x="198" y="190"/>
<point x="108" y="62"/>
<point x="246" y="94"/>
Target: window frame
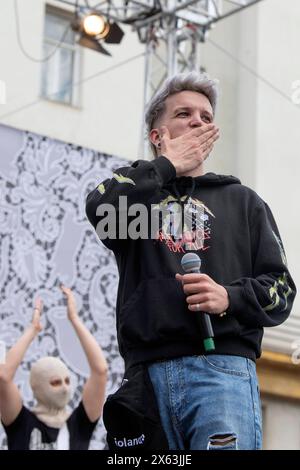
<point x="75" y="99"/>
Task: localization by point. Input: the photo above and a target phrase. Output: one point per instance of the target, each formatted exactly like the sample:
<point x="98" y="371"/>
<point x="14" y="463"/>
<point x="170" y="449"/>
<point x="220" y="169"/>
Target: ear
<point x="154" y="137"/>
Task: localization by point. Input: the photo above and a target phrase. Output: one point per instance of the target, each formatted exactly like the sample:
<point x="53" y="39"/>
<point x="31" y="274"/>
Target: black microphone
<point x="191" y="263"/>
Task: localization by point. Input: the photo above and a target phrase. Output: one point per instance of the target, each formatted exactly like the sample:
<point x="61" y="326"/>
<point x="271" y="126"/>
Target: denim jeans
<point x="208" y="402"/>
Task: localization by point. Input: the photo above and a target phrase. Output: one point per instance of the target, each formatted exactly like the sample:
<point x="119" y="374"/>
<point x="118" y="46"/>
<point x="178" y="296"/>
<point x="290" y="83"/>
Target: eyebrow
<point x="189" y="108"/>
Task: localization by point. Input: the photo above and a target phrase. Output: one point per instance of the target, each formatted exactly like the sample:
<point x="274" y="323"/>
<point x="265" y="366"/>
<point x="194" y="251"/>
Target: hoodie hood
<point x="211" y="179"/>
<point x="187" y="185"/>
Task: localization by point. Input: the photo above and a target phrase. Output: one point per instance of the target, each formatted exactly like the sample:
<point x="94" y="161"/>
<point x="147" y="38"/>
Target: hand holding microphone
<point x="203" y="294"/>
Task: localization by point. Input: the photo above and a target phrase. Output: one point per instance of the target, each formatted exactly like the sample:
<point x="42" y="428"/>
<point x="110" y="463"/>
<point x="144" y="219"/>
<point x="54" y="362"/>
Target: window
<point x="61" y="70"/>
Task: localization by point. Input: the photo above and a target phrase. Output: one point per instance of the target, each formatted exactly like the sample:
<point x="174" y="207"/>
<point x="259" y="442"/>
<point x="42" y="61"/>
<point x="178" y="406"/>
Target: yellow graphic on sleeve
<point x="273" y="292"/>
<point x="282" y="253"/>
<point x="101" y="188"/>
<point x="123" y="179"/>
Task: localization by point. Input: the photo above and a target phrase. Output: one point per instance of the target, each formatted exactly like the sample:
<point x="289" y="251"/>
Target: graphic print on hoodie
<point x="240" y="248"/>
<point x="188" y="224"/>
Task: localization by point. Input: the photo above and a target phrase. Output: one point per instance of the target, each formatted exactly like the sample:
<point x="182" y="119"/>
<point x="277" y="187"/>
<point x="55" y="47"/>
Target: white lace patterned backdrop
<point x="45" y="240"/>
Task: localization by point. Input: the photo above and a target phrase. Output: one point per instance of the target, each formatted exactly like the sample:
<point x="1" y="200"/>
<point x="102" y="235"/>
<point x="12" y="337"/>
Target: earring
<point x="158" y="145"/>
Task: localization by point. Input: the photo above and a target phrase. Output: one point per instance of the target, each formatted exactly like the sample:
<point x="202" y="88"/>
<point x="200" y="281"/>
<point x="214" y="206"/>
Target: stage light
<point x="94" y="29"/>
<point x="94" y="25"/>
<point x="93" y="44"/>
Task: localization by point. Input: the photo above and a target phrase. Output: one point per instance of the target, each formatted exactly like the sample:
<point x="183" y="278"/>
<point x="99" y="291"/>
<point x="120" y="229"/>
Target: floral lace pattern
<point x="46" y="240"/>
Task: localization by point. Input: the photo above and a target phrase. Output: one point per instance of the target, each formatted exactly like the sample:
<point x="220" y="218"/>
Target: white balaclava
<point x="50" y="383"/>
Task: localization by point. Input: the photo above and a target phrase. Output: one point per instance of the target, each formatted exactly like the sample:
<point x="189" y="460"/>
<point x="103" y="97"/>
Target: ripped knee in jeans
<point x="227" y="441"/>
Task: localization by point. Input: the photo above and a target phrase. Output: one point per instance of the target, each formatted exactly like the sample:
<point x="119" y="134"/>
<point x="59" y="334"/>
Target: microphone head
<point x="191" y="263"/>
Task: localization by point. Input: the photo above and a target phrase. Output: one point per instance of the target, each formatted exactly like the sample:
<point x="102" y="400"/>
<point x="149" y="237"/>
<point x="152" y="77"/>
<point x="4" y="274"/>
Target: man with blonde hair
<point x="206" y="399"/>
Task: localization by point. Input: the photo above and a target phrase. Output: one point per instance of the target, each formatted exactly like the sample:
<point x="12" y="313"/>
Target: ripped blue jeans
<point x="208" y="402"/>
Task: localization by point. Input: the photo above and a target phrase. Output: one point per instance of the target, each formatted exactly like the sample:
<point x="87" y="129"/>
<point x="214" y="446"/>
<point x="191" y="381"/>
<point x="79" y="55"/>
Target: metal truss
<point x="170" y="29"/>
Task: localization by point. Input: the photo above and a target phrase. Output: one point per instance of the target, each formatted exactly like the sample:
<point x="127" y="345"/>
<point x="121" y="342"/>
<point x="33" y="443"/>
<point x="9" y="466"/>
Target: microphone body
<point x="191" y="263"/>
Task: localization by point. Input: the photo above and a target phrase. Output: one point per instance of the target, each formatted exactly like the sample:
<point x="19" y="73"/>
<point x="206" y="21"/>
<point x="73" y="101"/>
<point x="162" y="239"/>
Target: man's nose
<point x="196" y="121"/>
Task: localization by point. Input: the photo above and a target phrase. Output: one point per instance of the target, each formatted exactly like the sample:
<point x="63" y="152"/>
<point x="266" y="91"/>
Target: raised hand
<point x="36" y="316"/>
<point x="71" y="303"/>
<point x="188" y="151"/>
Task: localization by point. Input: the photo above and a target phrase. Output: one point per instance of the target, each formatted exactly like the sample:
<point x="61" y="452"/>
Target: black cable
<point x="252" y="72"/>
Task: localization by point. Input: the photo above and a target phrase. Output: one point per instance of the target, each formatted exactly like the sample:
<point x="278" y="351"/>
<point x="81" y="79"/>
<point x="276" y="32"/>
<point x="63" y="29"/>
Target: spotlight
<point x="95" y="25"/>
<point x="95" y="28"/>
<point x="93" y="44"/>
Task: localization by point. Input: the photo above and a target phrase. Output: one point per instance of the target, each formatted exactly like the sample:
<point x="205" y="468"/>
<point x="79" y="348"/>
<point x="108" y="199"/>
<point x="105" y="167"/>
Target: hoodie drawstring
<point x="183" y="202"/>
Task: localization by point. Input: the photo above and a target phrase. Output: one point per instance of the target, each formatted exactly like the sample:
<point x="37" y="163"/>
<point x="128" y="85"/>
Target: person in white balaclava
<point x="50" y="424"/>
<point x="50" y="383"/>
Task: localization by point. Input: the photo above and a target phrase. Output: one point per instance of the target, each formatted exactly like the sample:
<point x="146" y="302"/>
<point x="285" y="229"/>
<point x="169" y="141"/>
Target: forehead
<point x="189" y="99"/>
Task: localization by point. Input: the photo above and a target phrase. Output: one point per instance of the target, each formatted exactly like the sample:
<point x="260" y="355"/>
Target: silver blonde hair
<point x="192" y="81"/>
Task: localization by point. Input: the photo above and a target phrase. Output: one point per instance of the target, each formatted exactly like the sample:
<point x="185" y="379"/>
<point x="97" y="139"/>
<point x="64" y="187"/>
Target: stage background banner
<point x="46" y="240"/>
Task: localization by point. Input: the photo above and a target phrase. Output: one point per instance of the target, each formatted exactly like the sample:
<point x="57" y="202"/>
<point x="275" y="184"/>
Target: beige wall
<point x="217" y="64"/>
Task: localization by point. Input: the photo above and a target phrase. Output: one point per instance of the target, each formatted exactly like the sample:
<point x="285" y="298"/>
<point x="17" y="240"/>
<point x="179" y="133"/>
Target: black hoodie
<point x="239" y="245"/>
